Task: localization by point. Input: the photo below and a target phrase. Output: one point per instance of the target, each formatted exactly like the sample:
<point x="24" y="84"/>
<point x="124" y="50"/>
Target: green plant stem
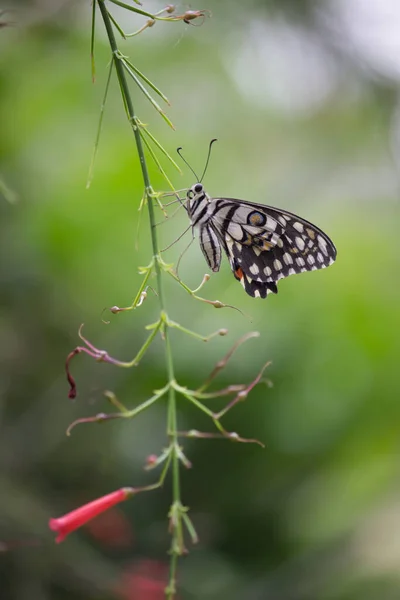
<point x="172" y="417"/>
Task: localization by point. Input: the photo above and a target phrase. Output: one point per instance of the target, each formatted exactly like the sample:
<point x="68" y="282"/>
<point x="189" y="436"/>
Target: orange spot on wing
<point x="255" y="219"/>
<point x="267" y="245"/>
<point x="238" y="273"/>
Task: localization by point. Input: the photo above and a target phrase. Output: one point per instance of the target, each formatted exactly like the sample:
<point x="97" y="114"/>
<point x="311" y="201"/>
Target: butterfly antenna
<point x="208" y="159"/>
<point x="186" y="162"/>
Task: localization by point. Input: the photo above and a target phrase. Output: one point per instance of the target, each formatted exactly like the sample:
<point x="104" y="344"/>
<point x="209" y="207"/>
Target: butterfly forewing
<point x="263" y="244"/>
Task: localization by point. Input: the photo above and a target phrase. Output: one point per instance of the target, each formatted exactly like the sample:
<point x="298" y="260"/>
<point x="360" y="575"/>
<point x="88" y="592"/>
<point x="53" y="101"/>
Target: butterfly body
<point x="263" y="244"/>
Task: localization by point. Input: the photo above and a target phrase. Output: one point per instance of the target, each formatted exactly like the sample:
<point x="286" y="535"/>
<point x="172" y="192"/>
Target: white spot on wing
<point x="287" y="259"/>
<point x="252" y="230"/>
<point x="254" y="270"/>
<point x="322" y="244"/>
<point x="298" y="226"/>
<point x="235" y="231"/>
<point x="300" y="243"/>
<point x="229" y="242"/>
<point x="277" y="264"/>
<point x="274" y="239"/>
<point x="268" y="271"/>
<point x="270" y="224"/>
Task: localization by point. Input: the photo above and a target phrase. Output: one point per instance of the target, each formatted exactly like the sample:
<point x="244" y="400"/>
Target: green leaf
<point x="159" y="146"/>
<point x="149" y="83"/>
<point x="99" y="126"/>
<point x="145" y="92"/>
<point x="133" y="9"/>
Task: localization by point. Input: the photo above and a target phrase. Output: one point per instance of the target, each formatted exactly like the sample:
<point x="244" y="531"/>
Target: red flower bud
<point x="75" y="519"/>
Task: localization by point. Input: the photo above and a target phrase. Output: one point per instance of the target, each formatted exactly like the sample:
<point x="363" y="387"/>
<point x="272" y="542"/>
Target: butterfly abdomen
<point x="210" y="246"/>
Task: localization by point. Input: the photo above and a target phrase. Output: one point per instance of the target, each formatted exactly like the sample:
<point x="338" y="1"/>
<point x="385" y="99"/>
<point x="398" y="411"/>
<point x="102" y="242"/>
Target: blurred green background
<point x="303" y="98"/>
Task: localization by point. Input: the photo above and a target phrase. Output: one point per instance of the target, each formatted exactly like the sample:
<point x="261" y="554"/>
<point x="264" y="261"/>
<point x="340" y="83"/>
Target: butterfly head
<point x="197" y="201"/>
<point x="195" y="191"/>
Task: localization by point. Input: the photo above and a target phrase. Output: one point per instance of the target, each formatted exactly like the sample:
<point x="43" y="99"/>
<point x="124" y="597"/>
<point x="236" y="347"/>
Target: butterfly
<point x="263" y="244"/>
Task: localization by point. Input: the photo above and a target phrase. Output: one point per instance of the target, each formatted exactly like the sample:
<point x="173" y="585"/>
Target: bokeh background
<point x="303" y="97"/>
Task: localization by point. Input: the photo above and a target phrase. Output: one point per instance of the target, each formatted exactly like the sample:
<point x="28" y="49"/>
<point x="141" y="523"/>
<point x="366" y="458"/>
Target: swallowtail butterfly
<point x="263" y="244"/>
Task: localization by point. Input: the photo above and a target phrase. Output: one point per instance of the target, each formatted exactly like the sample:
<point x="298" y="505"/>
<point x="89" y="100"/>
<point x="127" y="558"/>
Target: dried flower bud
<point x="151" y="460"/>
<point x="218" y="304"/>
<point x="192" y="14"/>
<point x="193" y="433"/>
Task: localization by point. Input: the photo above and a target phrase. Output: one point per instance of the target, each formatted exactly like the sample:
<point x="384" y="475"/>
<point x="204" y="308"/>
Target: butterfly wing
<point x="265" y="244"/>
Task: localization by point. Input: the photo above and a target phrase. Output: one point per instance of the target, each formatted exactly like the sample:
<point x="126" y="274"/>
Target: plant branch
<point x="172" y="416"/>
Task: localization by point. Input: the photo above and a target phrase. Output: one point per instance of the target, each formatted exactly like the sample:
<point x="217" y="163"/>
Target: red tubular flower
<point x="75" y="519"/>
